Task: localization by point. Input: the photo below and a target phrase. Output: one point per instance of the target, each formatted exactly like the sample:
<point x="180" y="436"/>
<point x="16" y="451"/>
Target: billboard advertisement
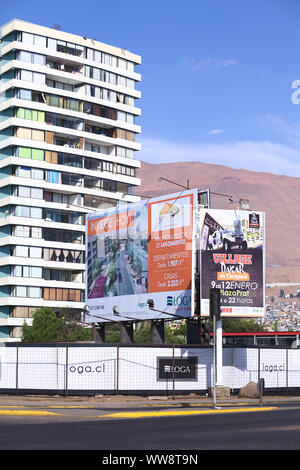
<point x="232" y="259"/>
<point x="139" y="252"/>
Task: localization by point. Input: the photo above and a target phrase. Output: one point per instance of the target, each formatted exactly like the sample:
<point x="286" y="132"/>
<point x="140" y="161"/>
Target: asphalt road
<point x="238" y="427"/>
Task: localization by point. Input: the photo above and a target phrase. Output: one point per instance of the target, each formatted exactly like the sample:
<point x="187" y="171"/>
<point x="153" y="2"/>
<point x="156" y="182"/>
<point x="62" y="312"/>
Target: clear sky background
<point x="216" y="74"/>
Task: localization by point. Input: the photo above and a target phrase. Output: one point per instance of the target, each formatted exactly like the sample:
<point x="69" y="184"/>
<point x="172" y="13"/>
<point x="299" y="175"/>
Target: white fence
<point x="92" y="369"/>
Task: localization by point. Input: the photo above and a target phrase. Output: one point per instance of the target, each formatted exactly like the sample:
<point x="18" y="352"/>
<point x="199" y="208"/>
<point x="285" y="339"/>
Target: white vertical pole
<point x="219" y="354"/>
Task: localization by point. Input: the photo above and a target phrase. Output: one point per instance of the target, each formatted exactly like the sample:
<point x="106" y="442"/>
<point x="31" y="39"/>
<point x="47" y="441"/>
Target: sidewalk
<point x="131" y="400"/>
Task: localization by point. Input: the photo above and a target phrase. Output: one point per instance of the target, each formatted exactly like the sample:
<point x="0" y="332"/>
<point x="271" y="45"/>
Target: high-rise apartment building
<point x="67" y="146"/>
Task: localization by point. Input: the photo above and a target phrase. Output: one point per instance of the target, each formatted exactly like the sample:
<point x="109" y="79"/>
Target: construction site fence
<point x="91" y="369"/>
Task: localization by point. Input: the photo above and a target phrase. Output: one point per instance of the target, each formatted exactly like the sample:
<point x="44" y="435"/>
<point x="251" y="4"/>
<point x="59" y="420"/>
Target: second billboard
<point x="232" y="259"/>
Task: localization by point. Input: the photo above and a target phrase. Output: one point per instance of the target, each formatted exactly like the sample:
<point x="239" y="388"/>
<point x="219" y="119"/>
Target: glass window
<point x="24" y="56"/>
<point x="24" y="95"/>
<point x="90" y="54"/>
<point x="26" y="75"/>
<point x="39" y="78"/>
<point x="36" y="232"/>
<point x="40" y="41"/>
<point x="51" y="43"/>
<point x="22" y="211"/>
<point x="35" y="252"/>
<point x="34" y="292"/>
<point x="37" y="154"/>
<point x="36" y="212"/>
<point x="20" y="291"/>
<point x="21" y="231"/>
<point x="23" y="172"/>
<point x="24" y="152"/>
<point x="121" y="116"/>
<point x="37" y="174"/>
<point x="98" y="56"/>
<point x="21" y="251"/>
<point x="36" y="271"/>
<point x="24" y="191"/>
<point x="39" y="59"/>
<point x="26" y="271"/>
<point x="37" y="135"/>
<point x="61" y="46"/>
<point x="130" y="83"/>
<point x="27" y="38"/>
<point x="36" y="193"/>
<point x="17" y="271"/>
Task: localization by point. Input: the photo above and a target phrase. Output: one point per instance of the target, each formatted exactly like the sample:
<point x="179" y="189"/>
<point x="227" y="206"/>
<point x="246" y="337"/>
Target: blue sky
<point x="216" y="75"/>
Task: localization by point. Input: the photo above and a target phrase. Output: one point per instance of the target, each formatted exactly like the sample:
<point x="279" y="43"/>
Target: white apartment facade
<point x="67" y="147"/>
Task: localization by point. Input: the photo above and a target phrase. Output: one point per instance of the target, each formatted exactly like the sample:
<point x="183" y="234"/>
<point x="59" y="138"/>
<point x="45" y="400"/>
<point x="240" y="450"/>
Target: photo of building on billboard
<point x="232" y="259"/>
<point x="138" y="252"/>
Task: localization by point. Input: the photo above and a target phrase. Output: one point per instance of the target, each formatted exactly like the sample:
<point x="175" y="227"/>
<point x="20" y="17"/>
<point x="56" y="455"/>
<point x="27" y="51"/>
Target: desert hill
<point x="277" y="195"/>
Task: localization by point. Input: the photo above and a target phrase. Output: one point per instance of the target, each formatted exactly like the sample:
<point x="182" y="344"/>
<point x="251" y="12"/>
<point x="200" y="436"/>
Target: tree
<point x="46" y="326"/>
<point x="232" y="325"/>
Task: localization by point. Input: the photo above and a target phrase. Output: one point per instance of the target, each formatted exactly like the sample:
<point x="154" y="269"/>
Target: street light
<point x="160" y="179"/>
<point x="150" y="303"/>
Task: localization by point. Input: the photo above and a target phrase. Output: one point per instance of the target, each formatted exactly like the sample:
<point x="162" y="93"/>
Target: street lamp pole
<point x="160" y="179"/>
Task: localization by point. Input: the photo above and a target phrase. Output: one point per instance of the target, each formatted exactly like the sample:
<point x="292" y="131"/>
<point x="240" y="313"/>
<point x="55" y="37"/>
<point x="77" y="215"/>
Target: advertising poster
<point x="139" y="252"/>
<point x="232" y="259"/>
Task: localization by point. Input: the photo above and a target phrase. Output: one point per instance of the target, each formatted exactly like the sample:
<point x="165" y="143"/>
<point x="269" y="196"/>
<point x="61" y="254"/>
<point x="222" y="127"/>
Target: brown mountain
<point x="277" y="195"/>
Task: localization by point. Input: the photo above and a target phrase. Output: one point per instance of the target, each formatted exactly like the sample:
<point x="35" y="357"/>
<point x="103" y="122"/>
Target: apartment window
<point x="65" y="236"/>
<point x="31" y="114"/>
<point x="31" y="57"/>
<point x="101" y="93"/>
<point x="32" y="39"/>
<point x="53" y="176"/>
<point x="108" y="185"/>
<point x="28" y="76"/>
<point x="27" y="271"/>
<point x="22" y="312"/>
<point x="28" y="192"/>
<point x="107" y="166"/>
<point x="21" y="231"/>
<point x="27" y="172"/>
<point x="60" y="85"/>
<point x="124" y="152"/>
<point x="62" y="275"/>
<point x="68" y="48"/>
<point x="96" y="148"/>
<point x="23" y="94"/>
<point x="27" y="232"/>
<point x="26" y="152"/>
<point x="69" y="160"/>
<point x="27" y="251"/>
<point x="63" y="256"/>
<point x="26" y="291"/>
<point x="125" y="170"/>
<point x="92" y="54"/>
<point x="56" y="294"/>
<point x="32" y="134"/>
<point x="100" y="75"/>
<point x="26" y="211"/>
<point x="92" y="164"/>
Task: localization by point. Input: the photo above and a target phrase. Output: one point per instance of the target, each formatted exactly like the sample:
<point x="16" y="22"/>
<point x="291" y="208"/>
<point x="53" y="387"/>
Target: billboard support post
<point x="126" y="329"/>
<point x="158" y="331"/>
<point x="99" y="332"/>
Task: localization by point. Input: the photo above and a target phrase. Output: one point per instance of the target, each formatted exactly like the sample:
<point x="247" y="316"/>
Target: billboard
<point x="232" y="259"/>
<point x="139" y="252"/>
